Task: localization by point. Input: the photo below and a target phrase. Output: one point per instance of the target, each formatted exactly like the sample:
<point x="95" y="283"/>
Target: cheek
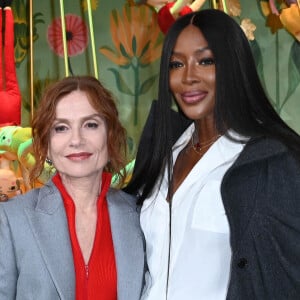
<point x="56" y="144"/>
<point x="174" y="82"/>
<point x="100" y="142"/>
<point x="211" y="78"/>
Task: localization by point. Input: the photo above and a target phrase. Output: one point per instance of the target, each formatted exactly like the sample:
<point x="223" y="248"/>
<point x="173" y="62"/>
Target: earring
<point x="49" y="161"/>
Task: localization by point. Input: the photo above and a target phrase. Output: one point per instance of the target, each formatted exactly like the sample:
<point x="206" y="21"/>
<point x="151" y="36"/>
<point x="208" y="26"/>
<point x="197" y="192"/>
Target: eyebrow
<point x="82" y="119"/>
<point x="197" y="51"/>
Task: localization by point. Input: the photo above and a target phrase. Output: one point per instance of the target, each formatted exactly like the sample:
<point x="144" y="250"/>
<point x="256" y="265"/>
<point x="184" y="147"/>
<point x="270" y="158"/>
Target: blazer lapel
<point x="128" y="246"/>
<point x="49" y="225"/>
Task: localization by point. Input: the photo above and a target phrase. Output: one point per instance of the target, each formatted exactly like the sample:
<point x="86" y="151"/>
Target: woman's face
<point x="193" y="74"/>
<point x="78" y="138"/>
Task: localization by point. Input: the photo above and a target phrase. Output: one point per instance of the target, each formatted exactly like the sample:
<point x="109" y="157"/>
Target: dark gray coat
<point x="261" y="195"/>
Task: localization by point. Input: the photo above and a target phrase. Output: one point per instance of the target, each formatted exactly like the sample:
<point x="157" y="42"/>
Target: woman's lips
<point x="193" y="97"/>
<point x="79" y="156"/>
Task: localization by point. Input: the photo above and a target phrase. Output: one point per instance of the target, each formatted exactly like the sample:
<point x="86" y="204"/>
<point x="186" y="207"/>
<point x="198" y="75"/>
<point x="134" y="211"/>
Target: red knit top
<point x="97" y="279"/>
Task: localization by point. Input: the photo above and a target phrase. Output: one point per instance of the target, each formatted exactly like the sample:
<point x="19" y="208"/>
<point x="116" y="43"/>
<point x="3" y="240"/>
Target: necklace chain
<point x="197" y="147"/>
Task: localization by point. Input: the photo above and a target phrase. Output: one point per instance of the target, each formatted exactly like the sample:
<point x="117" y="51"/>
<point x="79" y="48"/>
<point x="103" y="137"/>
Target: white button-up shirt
<point x="200" y="250"/>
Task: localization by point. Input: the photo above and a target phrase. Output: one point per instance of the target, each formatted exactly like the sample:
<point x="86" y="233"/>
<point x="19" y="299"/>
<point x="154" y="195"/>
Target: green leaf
<point x="133" y="45"/>
<point x="114" y="15"/>
<point x="294" y="68"/>
<point x="108" y="48"/>
<point x="147" y="85"/>
<point x="258" y="60"/>
<point x="121" y="84"/>
<point x="123" y="51"/>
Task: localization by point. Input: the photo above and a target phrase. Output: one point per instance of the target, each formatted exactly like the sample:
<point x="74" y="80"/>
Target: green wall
<point x="134" y="82"/>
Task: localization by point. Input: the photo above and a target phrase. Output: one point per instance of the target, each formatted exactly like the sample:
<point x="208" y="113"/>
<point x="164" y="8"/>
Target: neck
<point x="205" y="131"/>
<point x="84" y="191"/>
<point x="204" y="136"/>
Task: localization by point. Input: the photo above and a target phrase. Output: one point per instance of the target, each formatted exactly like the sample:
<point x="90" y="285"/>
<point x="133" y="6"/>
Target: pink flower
<point x="76" y="35"/>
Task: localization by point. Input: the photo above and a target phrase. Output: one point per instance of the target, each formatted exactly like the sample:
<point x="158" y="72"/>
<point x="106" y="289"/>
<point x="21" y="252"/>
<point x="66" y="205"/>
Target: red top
<point x="98" y="279"/>
<point x="165" y="19"/>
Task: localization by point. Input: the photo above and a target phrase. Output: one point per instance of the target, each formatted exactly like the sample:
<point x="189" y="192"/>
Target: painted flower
<point x="76" y="35"/>
<point x="94" y="4"/>
<point x="135" y="35"/>
<point x="290" y="18"/>
<point x="137" y="43"/>
<point x="248" y="27"/>
<point x="21" y="28"/>
<point x="282" y="14"/>
<point x="233" y="7"/>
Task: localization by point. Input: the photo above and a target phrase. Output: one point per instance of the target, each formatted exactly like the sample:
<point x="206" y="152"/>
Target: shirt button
<point x="242" y="263"/>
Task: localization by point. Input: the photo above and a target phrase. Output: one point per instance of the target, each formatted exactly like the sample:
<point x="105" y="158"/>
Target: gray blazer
<point x="36" y="259"/>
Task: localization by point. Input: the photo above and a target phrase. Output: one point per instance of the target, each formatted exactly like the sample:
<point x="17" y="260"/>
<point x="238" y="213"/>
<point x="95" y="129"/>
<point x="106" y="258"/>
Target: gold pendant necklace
<point x="197" y="147"/>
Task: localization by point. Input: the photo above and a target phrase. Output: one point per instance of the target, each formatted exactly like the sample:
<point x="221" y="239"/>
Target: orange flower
<point x="135" y="35"/>
<point x="290" y="18"/>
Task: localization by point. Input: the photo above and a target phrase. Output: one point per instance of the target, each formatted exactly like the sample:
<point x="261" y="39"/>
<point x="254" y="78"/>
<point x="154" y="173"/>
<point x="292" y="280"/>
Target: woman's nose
<point x="190" y="74"/>
<point x="76" y="137"/>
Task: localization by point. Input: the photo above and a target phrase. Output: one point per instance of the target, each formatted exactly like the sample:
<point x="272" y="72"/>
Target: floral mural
<point x="128" y="45"/>
<point x="137" y="43"/>
<point x="21" y="29"/>
<point x="76" y="36"/>
<point x="284" y="15"/>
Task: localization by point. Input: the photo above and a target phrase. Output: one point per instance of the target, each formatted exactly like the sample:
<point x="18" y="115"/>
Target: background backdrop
<point x="127" y="47"/>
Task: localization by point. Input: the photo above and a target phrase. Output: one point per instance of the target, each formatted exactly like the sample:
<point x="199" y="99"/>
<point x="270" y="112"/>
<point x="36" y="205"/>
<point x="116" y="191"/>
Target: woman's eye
<point x="60" y="128"/>
<point x="207" y="61"/>
<point x="175" y="64"/>
<point x="92" y="125"/>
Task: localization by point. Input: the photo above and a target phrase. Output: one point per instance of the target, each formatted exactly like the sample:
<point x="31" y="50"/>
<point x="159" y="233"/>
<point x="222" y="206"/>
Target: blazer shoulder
<point x="19" y="202"/>
<point x="29" y="199"/>
<point x="116" y="197"/>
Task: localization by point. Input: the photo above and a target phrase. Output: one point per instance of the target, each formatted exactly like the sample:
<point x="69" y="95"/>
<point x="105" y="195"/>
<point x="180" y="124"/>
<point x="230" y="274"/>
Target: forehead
<point x="190" y="38"/>
<point x="75" y="104"/>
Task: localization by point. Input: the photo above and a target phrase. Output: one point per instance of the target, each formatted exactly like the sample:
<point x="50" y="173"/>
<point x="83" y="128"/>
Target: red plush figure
<point x="168" y="12"/>
<point x="166" y="18"/>
<point x="10" y="96"/>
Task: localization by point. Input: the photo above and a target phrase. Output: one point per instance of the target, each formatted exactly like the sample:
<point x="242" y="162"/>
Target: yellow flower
<point x="94" y="4"/>
<point x="233" y="7"/>
<point x="290" y="18"/>
<point x="135" y="35"/>
<point x="248" y="27"/>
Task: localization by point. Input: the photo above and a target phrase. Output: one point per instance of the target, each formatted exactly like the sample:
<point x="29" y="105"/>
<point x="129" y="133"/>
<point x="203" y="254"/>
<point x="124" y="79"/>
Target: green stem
<point x="70" y="67"/>
<point x="277" y="72"/>
<point x="136" y="93"/>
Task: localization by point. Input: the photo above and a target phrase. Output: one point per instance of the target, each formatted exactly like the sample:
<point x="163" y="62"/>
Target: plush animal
<point x="10" y="96"/>
<point x="16" y="145"/>
<point x="115" y="182"/>
<point x="10" y="184"/>
<point x="168" y="12"/>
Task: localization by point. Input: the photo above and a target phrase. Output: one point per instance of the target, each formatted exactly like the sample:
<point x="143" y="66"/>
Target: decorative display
<point x="10" y="96"/>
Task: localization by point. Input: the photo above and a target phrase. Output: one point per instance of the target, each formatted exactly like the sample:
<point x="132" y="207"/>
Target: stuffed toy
<point x="10" y="96"/>
<point x="10" y="185"/>
<point x="168" y="12"/>
<point x="16" y="145"/>
<point x="115" y="182"/>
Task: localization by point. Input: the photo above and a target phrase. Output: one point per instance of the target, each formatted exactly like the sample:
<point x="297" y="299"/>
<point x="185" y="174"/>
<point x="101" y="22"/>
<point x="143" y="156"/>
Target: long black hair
<point x="241" y="103"/>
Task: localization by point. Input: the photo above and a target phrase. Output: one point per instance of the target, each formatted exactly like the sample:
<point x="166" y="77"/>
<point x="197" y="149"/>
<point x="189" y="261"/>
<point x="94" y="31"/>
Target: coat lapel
<point x="128" y="245"/>
<point x="241" y="184"/>
<point x="49" y="225"/>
